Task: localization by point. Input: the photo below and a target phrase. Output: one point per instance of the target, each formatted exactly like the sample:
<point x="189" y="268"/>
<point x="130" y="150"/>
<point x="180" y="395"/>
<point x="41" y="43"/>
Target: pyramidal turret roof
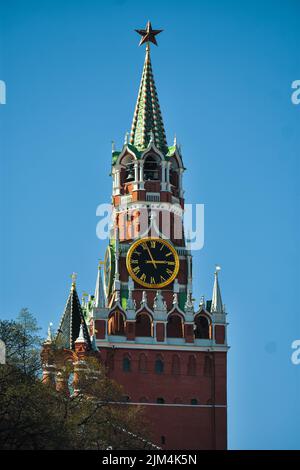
<point x="70" y="323"/>
<point x="147" y="120"/>
<point x="216" y="303"/>
<point x="99" y="290"/>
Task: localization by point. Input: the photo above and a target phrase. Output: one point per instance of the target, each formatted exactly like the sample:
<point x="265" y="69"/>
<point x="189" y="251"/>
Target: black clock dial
<point x="107" y="270"/>
<point x="152" y="262"/>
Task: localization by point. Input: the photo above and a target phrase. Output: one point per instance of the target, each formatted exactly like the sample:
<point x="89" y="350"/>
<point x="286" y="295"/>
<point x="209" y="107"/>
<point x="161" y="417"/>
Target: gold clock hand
<point x="152" y="260"/>
<point x="161" y="262"/>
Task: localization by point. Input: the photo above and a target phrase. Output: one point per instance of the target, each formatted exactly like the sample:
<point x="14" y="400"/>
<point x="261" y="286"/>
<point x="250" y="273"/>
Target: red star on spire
<point x="148" y="34"/>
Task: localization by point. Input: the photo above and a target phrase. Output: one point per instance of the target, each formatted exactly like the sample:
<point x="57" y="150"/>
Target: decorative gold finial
<point x="148" y="34"/>
<point x="74" y="278"/>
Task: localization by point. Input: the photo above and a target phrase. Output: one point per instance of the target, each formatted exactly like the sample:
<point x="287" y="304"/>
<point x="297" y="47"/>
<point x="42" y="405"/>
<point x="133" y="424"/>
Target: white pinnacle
<point x="216" y="303"/>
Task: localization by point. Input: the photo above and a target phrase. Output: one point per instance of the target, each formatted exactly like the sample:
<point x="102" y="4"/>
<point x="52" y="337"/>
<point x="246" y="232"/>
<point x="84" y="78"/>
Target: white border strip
<point x="174" y="347"/>
<point x="168" y="404"/>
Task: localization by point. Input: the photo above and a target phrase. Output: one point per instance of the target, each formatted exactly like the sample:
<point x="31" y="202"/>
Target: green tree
<point x="22" y="342"/>
<point x="35" y="416"/>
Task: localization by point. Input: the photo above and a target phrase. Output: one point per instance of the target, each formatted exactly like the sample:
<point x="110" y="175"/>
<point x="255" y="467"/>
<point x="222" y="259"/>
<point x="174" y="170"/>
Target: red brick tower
<point x="167" y="356"/>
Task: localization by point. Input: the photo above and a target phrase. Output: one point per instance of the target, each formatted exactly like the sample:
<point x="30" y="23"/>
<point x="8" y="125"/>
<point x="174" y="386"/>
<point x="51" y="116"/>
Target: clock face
<point x="107" y="271"/>
<point x="152" y="262"/>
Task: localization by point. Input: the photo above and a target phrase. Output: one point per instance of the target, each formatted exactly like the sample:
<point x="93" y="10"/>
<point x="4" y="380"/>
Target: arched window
<point x="207" y="366"/>
<point x="128" y="162"/>
<point x="143" y="326"/>
<point x="143" y="363"/>
<point x="175" y="365"/>
<point x="202" y="327"/>
<point x="160" y="400"/>
<point x="116" y="324"/>
<point x="151" y="168"/>
<point x="159" y="366"/>
<point x="191" y="370"/>
<point x="194" y="401"/>
<point x="126" y="364"/>
<point x="174" y="326"/>
<point x="174" y="172"/>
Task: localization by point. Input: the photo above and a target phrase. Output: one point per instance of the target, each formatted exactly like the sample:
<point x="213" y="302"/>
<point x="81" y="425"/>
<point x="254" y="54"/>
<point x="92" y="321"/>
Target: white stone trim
<point x="168" y="404"/>
<point x="161" y="345"/>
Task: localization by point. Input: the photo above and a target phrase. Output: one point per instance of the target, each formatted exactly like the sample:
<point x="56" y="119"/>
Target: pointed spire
<point x="126" y="138"/>
<point x="189" y="305"/>
<point x="144" y="299"/>
<point x="71" y="322"/>
<point x="99" y="290"/>
<point x="49" y="334"/>
<point x="159" y="303"/>
<point x="202" y="302"/>
<point x="131" y="304"/>
<point x="147" y="116"/>
<point x="81" y="338"/>
<point x="216" y="303"/>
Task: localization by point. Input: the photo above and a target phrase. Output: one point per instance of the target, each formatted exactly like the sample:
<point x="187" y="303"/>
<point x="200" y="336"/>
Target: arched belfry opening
<point x="175" y="326"/>
<point x="202" y="327"/>
<point x="143" y="324"/>
<point x="152" y="168"/>
<point x="116" y="323"/>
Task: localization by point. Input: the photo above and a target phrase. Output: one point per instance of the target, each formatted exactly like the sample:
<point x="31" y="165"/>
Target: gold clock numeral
<point x="168" y="271"/>
<point x="171" y="263"/>
<point x="143" y="277"/>
<point x="169" y="254"/>
<point x="162" y="247"/>
<point x="162" y="279"/>
<point x="136" y="270"/>
<point x="152" y="280"/>
<point x="134" y="261"/>
<point x="153" y="243"/>
<point x="144" y="246"/>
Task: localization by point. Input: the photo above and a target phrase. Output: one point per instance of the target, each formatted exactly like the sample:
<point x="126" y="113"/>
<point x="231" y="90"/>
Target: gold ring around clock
<point x="137" y="271"/>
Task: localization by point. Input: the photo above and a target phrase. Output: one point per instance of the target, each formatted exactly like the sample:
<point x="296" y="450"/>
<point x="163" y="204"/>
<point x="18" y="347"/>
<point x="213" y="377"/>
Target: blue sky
<point x="223" y="70"/>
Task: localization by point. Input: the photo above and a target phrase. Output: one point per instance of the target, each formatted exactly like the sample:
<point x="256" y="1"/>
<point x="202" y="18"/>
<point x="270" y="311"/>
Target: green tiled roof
<point x="147" y="116"/>
<point x="71" y="320"/>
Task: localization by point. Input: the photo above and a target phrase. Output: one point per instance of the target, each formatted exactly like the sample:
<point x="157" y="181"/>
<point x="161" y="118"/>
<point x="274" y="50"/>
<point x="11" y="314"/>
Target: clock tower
<point x="169" y="355"/>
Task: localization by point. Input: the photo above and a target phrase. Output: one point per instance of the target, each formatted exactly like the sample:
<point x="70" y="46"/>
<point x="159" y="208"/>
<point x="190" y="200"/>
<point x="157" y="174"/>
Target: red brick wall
<point x="184" y="427"/>
<point x="220" y="334"/>
<point x="100" y="329"/>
